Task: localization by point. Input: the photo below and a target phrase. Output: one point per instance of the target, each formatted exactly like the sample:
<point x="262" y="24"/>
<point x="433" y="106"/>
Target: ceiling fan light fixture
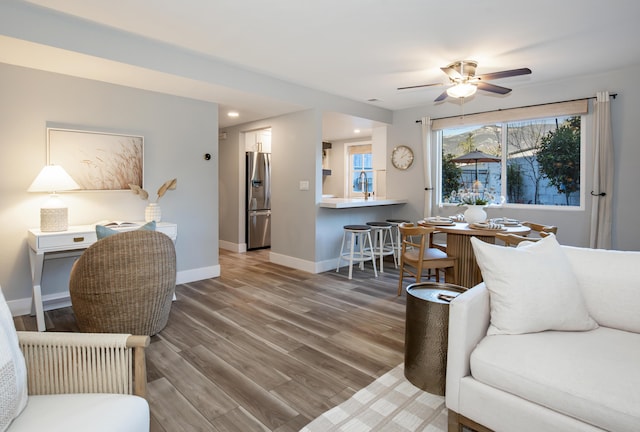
<point x="462" y="90"/>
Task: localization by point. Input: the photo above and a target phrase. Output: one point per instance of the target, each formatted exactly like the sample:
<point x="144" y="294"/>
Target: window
<point x="525" y="162"/>
<point x="360" y="161"/>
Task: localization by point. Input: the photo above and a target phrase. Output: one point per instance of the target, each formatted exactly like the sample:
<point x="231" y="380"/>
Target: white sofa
<point x="553" y="380"/>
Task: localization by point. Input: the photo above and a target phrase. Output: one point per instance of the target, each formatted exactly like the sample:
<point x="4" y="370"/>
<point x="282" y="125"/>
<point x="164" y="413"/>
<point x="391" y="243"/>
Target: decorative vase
<point x="152" y="213"/>
<point x="475" y="214"/>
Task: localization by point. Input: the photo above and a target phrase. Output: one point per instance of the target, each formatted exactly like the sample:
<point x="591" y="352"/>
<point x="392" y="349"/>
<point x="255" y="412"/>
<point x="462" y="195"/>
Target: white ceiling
<point x="357" y="49"/>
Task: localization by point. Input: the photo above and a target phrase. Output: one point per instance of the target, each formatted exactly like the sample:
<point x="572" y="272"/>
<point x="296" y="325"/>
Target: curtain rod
<point x="613" y="95"/>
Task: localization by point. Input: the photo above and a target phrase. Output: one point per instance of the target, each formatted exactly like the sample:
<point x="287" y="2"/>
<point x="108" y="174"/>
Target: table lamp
<point x="54" y="214"/>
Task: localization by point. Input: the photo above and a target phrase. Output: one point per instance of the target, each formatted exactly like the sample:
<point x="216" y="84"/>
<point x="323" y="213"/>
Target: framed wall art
<point x="97" y="160"/>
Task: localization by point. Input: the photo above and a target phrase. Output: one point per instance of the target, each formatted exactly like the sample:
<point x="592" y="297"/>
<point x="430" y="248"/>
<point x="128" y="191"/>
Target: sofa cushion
<point x="13" y="371"/>
<point x="531" y="288"/>
<point x="609" y="284"/>
<point x="96" y="412"/>
<point x="592" y="376"/>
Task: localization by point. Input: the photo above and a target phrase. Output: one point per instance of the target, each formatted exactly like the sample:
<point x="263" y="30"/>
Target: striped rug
<point x="390" y="403"/>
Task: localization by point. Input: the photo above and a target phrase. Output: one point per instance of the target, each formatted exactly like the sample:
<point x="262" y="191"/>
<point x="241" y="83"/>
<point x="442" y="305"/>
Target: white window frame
<point x="348" y="189"/>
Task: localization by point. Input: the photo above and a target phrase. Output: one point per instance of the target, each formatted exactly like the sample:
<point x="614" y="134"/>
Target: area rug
<point x="390" y="403"/>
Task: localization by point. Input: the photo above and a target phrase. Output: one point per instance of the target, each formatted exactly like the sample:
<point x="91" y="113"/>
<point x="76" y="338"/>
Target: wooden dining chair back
<point x="417" y="256"/>
<point x="514" y="239"/>
<point x="539" y="230"/>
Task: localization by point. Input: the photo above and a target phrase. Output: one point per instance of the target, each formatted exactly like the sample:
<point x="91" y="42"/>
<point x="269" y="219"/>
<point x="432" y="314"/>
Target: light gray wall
<point x="296" y="145"/>
<point x="177" y="133"/>
<point x="231" y="180"/>
<point x="573" y="225"/>
<point x="295" y="155"/>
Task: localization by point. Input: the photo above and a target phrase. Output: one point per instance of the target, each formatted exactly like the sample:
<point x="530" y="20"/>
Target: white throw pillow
<point x="13" y="371"/>
<point x="531" y="288"/>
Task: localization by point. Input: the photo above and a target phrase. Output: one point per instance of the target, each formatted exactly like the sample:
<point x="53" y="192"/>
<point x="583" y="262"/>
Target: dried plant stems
<point x="168" y="185"/>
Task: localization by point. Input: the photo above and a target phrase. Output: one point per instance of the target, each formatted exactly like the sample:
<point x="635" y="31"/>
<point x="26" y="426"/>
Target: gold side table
<point x="426" y="334"/>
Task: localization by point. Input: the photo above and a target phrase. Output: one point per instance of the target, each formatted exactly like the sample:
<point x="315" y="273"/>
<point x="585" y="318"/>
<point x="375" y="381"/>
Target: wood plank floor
<point x="265" y="347"/>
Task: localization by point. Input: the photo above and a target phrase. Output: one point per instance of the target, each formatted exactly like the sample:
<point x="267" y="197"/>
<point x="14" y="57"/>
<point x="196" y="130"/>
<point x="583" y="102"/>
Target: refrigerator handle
<point x="267" y="179"/>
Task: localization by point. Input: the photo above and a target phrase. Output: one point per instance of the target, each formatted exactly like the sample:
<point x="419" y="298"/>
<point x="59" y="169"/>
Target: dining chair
<point x="417" y="256"/>
<point x="540" y="230"/>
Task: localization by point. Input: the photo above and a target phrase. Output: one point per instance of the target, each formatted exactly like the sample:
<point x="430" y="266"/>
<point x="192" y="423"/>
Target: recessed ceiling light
<point x="356" y="131"/>
<point x="233" y="114"/>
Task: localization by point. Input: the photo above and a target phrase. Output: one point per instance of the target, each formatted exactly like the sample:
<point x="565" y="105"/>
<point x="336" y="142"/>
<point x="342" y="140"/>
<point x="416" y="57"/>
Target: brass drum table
<point x="426" y="334"/>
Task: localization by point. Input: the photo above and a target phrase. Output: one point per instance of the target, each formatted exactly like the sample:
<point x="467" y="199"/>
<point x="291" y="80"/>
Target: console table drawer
<point x="67" y="241"/>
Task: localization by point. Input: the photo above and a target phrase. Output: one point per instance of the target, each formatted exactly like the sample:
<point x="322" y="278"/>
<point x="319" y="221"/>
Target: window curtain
<point x="426" y="164"/>
<point x="602" y="193"/>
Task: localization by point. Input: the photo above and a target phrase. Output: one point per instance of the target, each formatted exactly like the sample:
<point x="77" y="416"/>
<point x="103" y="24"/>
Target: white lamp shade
<point x="53" y="178"/>
<point x="462" y="90"/>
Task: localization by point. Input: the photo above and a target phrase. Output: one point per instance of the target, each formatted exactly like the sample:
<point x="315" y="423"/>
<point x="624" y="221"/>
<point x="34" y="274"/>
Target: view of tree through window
<point x="534" y="162"/>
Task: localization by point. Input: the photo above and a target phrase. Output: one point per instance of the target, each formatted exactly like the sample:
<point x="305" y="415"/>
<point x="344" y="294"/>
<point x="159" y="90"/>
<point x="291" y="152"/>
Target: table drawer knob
<point x="78" y="239"/>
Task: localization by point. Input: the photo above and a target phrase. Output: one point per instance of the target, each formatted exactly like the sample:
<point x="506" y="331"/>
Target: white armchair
<point x="73" y="381"/>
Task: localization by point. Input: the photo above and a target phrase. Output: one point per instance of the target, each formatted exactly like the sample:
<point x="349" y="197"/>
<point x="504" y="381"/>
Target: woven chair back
<point x="125" y="284"/>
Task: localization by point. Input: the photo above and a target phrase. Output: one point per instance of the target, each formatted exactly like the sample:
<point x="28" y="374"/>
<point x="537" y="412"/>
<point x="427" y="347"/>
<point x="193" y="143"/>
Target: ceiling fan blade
<point x="503" y="74"/>
<point x="442" y="97"/>
<point x="493" y="88"/>
<point x="451" y="72"/>
<point x="420" y="86"/>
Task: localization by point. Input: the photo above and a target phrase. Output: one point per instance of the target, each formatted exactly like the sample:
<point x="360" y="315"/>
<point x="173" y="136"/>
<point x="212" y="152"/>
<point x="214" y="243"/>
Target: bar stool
<point x="383" y="244"/>
<point x="396" y="233"/>
<point x="357" y="234"/>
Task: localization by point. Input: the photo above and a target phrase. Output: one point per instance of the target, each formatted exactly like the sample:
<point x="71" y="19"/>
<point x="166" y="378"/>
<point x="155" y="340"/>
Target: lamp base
<point x="54" y="219"/>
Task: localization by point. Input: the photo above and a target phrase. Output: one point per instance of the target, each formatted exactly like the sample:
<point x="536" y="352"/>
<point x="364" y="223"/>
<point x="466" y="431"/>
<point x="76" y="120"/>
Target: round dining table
<point x="467" y="273"/>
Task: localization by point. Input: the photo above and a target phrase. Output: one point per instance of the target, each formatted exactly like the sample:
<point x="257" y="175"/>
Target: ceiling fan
<point x="462" y="74"/>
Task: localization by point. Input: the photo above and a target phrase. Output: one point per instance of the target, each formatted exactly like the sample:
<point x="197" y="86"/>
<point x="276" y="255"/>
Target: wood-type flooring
<point x="264" y="347"/>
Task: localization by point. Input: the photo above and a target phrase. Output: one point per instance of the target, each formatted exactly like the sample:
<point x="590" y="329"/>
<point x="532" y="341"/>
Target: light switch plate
<point x="304" y="184"/>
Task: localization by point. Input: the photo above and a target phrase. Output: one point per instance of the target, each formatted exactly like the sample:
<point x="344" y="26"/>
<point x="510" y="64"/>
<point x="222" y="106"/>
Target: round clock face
<point x="402" y="157"/>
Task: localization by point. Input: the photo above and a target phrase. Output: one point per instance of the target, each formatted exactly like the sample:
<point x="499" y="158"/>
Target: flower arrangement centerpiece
<point x="152" y="211"/>
<point x="467" y="197"/>
<point x="474" y="200"/>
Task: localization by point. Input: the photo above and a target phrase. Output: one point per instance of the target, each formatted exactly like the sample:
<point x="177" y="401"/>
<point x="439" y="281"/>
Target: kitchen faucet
<point x="364" y="184"/>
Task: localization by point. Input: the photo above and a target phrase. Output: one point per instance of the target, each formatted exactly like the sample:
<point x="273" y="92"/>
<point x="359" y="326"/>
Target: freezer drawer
<point x="258" y="229"/>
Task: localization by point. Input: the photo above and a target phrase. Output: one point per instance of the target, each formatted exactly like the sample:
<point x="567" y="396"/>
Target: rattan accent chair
<point x="125" y="284"/>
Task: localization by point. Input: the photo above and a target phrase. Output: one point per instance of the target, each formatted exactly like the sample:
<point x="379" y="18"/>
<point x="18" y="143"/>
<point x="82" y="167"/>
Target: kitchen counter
<point x="338" y="203"/>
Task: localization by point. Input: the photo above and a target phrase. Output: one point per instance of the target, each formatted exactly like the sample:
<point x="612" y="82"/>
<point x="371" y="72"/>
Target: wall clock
<point x="402" y="157"/>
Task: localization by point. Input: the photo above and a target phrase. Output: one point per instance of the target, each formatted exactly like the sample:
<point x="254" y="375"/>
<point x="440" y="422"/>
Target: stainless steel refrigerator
<point x="258" y="200"/>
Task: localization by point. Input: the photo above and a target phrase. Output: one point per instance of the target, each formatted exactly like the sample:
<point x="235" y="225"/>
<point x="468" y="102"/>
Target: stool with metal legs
<point x="383" y="244"/>
<point x="358" y="251"/>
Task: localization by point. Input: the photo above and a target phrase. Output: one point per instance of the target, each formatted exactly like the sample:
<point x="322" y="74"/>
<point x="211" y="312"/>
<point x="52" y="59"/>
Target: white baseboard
<point x="233" y="247"/>
<point x="50" y="301"/>
<point x="61" y="299"/>
<point x="298" y="264"/>
<point x="327" y="265"/>
<point x="186" y="276"/>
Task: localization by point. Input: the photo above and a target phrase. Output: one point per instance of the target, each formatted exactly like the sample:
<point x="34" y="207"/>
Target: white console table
<point x="60" y="244"/>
